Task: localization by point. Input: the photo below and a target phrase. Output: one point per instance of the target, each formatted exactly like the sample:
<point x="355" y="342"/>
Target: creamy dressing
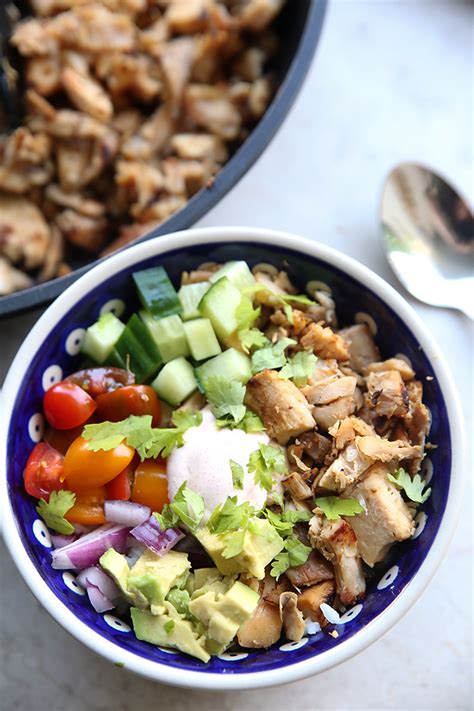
<point x="203" y="461"/>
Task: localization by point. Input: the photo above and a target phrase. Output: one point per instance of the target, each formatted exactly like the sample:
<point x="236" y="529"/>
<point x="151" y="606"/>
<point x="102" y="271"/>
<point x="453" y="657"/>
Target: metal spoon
<point x="428" y="237"/>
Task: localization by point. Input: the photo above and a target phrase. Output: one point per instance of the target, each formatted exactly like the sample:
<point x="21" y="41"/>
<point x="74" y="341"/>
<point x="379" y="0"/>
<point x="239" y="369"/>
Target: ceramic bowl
<point x="51" y="350"/>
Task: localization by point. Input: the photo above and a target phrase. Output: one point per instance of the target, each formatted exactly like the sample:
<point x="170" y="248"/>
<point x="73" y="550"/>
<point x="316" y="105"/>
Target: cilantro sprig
<point x="299" y="368"/>
<point x="295" y="553"/>
<point x="186" y="508"/>
<point x="333" y="507"/>
<point x="226" y="399"/>
<point x="52" y="512"/>
<point x="271" y="356"/>
<point x="237" y="475"/>
<point x="251" y="423"/>
<point x="413" y="488"/>
<point x="264" y="462"/>
<point x="137" y="432"/>
<point x="246" y="316"/>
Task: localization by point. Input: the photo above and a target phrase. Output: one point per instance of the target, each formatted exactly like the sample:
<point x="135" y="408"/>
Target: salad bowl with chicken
<point x="229" y="459"/>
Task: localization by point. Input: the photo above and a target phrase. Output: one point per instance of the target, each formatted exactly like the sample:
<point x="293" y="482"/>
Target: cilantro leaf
<point x="295" y="553"/>
<point x="138" y="433"/>
<point x="288" y="299"/>
<point x="334" y="507"/>
<point x="237" y="475"/>
<point x="230" y="516"/>
<point x="52" y="511"/>
<point x="296" y="516"/>
<point x="245" y="314"/>
<point x="226" y="399"/>
<point x="299" y="367"/>
<point x="234" y="543"/>
<point x="252" y="338"/>
<point x="285" y="521"/>
<point x="413" y="488"/>
<point x="272" y="356"/>
<point x="265" y="461"/>
<point x="251" y="423"/>
<point x="186" y="508"/>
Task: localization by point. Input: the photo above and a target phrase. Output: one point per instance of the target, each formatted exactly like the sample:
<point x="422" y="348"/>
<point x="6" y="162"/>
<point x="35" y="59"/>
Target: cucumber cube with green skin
<point x="157" y="293"/>
<point x="101" y="337"/>
<point x="190" y="295"/>
<point x="201" y="338"/>
<point x="168" y="334"/>
<point x="136" y="350"/>
<point x="231" y="365"/>
<point x="219" y="305"/>
<point x="238" y="273"/>
<point x="175" y="382"/>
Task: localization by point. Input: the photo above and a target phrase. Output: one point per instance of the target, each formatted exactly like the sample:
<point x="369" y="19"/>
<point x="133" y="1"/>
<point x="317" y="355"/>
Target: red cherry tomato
<point x="129" y="400"/>
<point x="43" y="472"/>
<point x="97" y="381"/>
<point x="120" y="488"/>
<point x="66" y="405"/>
<point x="150" y="486"/>
<point x="85" y="469"/>
<point x="62" y="439"/>
<point x="88" y="509"/>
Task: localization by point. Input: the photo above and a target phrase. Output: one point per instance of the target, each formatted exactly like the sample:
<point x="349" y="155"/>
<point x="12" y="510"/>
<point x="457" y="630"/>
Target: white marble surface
<point x="391" y="82"/>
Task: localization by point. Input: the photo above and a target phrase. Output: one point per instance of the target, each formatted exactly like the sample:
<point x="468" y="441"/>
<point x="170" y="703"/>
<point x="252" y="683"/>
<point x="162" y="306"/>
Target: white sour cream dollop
<point x="203" y="461"/>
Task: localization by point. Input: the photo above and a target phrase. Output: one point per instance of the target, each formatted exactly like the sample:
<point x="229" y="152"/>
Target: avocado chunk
<point x="115" y="564"/>
<point x="169" y="630"/>
<point x="153" y="576"/>
<point x="223" y="614"/>
<point x="259" y="548"/>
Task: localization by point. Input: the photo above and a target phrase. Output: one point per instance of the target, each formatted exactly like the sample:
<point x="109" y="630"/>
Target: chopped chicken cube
<point x="405" y="370"/>
<point x="387" y="394"/>
<point x="327" y="415"/>
<point x="347" y="468"/>
<point x="311" y="599"/>
<point x="332" y="388"/>
<point x="322" y="341"/>
<point x="386" y="519"/>
<point x="361" y="344"/>
<point x="315" y="570"/>
<point x="283" y="409"/>
<point x="24" y="233"/>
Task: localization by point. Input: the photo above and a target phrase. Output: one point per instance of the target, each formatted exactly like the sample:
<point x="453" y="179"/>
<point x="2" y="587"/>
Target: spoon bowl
<point x="428" y="237"/>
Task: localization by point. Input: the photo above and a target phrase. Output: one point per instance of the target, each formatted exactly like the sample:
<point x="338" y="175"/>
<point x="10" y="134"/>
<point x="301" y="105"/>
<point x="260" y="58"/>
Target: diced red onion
<point x="126" y="512"/>
<point x="151" y="535"/>
<point x="59" y="540"/>
<point x="98" y="600"/>
<point x="87" y="550"/>
<point x="98" y="578"/>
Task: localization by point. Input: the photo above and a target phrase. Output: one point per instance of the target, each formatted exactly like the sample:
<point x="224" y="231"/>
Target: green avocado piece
<point x="115" y="564"/>
<point x="223" y="614"/>
<point x="153" y="576"/>
<point x="169" y="630"/>
<point x="259" y="548"/>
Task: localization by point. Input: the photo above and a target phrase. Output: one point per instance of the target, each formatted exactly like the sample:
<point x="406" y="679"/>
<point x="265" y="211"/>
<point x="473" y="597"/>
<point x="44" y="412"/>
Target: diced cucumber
<point x="238" y="273"/>
<point x="232" y="365"/>
<point x="201" y="338"/>
<point x="190" y="295"/>
<point x="102" y="336"/>
<point x="136" y="350"/>
<point x="168" y="334"/>
<point x="157" y="293"/>
<point x="175" y="382"/>
<point x="219" y="304"/>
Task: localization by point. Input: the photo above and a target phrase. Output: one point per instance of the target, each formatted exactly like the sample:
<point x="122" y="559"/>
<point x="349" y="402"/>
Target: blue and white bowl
<point x="52" y="350"/>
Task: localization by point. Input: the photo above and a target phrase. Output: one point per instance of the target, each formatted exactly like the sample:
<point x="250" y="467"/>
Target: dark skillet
<point x="300" y="27"/>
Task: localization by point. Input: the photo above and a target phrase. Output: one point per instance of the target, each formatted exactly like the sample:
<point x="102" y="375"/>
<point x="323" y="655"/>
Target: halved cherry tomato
<point x="97" y="381"/>
<point x="43" y="472"/>
<point x="84" y="468"/>
<point x="150" y="486"/>
<point x="66" y="405"/>
<point x="88" y="509"/>
<point x="129" y="400"/>
<point x="62" y="439"/>
<point x="120" y="488"/>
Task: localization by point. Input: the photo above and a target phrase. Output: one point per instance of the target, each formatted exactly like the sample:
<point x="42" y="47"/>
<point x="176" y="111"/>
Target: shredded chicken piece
<point x="256" y="15"/>
<point x="337" y="542"/>
<point x="24" y="234"/>
<point x="11" y="279"/>
<point x="199" y="146"/>
<point x="315" y="570"/>
<point x="43" y="74"/>
<point x="211" y="108"/>
<point x="405" y="370"/>
<point x="386" y="519"/>
<point x="345" y="469"/>
<point x="176" y="59"/>
<point x="332" y="388"/>
<point x="327" y="415"/>
<point x="76" y="201"/>
<point x="93" y="28"/>
<point x="80" y="230"/>
<point x="297" y="487"/>
<point x="311" y="599"/>
<point x="387" y="394"/>
<point x="322" y="341"/>
<point x="316" y="446"/>
<point x="385" y="450"/>
<point x="346" y="430"/>
<point x="361" y="344"/>
<point x="262" y="629"/>
<point x="291" y="616"/>
<point x="417" y="422"/>
<point x="87" y="95"/>
<point x="283" y="409"/>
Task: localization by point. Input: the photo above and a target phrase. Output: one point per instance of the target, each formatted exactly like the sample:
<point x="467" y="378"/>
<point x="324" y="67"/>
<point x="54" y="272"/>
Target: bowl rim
<point x="158" y="671"/>
<point x="224" y="181"/>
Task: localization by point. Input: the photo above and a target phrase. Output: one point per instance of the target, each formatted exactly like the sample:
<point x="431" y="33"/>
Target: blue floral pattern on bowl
<point x="59" y="355"/>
